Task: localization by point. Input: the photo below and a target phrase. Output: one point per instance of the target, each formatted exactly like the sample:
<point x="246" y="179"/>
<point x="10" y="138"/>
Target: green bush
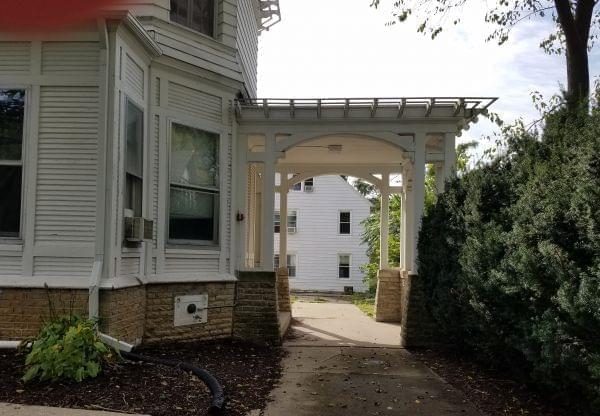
<point x="511" y="256"/>
<point x="67" y="348"/>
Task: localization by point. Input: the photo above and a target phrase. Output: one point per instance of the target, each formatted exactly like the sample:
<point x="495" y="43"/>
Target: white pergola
<point x="372" y="139"/>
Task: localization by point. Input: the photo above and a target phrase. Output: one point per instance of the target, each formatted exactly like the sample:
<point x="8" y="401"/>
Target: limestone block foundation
<point x="283" y="290"/>
<point x="388" y="300"/>
<point x="417" y="323"/>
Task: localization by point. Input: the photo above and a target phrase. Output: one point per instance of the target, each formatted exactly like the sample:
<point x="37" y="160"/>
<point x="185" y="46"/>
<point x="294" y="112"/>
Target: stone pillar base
<point x="388" y="307"/>
<point x="417" y="324"/>
<point x="255" y="315"/>
<point x="283" y="290"/>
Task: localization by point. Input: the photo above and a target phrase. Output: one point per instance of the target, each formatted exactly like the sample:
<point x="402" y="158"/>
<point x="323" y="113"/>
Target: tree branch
<point x="567" y="22"/>
<point x="583" y="18"/>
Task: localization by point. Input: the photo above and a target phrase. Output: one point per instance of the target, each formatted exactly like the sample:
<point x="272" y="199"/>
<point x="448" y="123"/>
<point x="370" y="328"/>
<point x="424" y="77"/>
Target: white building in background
<point x="325" y="249"/>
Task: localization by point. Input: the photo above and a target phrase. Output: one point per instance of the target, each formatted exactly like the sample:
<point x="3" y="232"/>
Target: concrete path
<point x="341" y="362"/>
<point x="10" y="409"/>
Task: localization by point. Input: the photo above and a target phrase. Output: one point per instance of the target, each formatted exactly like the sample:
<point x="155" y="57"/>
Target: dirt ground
<point x="246" y="372"/>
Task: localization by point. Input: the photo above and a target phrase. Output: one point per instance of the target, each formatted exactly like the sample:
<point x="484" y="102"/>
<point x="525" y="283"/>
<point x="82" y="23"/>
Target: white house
<point x="137" y="170"/>
<point x="324" y="247"/>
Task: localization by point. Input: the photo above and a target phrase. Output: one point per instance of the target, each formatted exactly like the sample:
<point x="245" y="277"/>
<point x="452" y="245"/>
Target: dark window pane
<point x="134" y="158"/>
<point x="193" y="215"/>
<point x="10" y="200"/>
<point x="203" y="16"/>
<point x="12" y="112"/>
<point x="309" y="182"/>
<point x="297" y="186"/>
<point x="344" y="217"/>
<point x="133" y="194"/>
<point x="180" y="11"/>
<point x="345" y="228"/>
<point x="344" y="272"/>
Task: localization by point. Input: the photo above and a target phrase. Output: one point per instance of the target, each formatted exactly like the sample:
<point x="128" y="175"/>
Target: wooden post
<point x="449" y="155"/>
<point x="384" y="227"/>
<point x="268" y="205"/>
<point x="283" y="222"/>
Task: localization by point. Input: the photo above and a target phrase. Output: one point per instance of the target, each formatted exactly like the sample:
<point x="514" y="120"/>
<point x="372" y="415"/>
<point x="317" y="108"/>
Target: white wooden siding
<point x="67" y="165"/>
<point x="247" y="42"/>
<point x="317" y="242"/>
<point x="134" y="76"/>
<point x="192" y="263"/>
<point x="130" y="266"/>
<point x="15" y="58"/>
<point x="62" y="266"/>
<point x="195" y="103"/>
<point x="226" y="21"/>
<point x="63" y="58"/>
<point x="11" y="265"/>
<point x="155" y="176"/>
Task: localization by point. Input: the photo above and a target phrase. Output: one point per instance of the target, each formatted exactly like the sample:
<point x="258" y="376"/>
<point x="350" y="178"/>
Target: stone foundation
<point x="256" y="312"/>
<point x="417" y="324"/>
<point x="388" y="300"/>
<point x="122" y="313"/>
<point x="283" y="290"/>
<point x="247" y="309"/>
<point x="160" y="307"/>
<point x="24" y="311"/>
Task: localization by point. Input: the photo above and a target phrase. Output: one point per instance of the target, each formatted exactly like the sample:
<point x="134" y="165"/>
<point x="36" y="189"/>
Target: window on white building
<point x="291" y="264"/>
<point x="292" y="222"/>
<point x="194" y="185"/>
<point x="344" y="266"/>
<point x="297" y="186"/>
<point x="345" y="222"/>
<point x="309" y="185"/>
<point x="12" y="118"/>
<point x="134" y="158"/>
<point x="195" y="14"/>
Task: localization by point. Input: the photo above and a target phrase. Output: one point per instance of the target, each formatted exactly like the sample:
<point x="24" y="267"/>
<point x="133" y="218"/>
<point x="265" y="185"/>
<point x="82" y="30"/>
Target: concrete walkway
<point x="341" y="362"/>
<point x="10" y="409"/>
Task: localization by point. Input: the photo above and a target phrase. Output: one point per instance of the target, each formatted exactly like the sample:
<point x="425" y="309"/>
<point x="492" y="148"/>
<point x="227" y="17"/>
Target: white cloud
<point x="342" y="48"/>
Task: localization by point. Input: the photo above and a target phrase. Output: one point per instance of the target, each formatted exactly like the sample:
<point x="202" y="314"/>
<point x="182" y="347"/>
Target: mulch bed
<point x="490" y="390"/>
<point x="247" y="373"/>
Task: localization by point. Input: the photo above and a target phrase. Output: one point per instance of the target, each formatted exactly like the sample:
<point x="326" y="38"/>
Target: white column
<point x="283" y="216"/>
<point x="268" y="205"/>
<point x="384" y="225"/>
<point x="418" y="191"/>
<point x="440" y="178"/>
<point x="403" y="227"/>
<point x="408" y="223"/>
<point x="449" y="155"/>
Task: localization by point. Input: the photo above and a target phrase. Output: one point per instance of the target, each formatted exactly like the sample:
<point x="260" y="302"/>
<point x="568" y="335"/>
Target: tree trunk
<point x="578" y="76"/>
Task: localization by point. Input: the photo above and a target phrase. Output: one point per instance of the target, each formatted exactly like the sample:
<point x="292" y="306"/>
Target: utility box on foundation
<point x="190" y="310"/>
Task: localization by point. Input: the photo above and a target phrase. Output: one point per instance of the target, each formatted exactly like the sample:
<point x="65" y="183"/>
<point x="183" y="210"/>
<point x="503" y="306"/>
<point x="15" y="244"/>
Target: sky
<point x="343" y="48"/>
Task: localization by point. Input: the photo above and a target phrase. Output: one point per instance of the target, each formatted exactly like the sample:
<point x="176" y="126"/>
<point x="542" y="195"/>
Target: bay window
<point x="194" y="190"/>
<point x="12" y="118"/>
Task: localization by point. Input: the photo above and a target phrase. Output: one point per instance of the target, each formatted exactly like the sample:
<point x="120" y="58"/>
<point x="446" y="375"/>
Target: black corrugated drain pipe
<point x="218" y="396"/>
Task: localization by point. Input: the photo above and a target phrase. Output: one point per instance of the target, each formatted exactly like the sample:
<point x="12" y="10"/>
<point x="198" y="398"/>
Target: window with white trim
<point x="194" y="190"/>
<point x="195" y="14"/>
<point x="309" y="185"/>
<point x="12" y="120"/>
<point x="292" y="222"/>
<point x="345" y="222"/>
<point x="134" y="158"/>
<point x="292" y="260"/>
<point x="297" y="186"/>
<point x="344" y="266"/>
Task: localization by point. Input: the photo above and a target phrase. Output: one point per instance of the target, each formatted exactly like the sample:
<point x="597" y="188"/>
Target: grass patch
<point x="319" y="300"/>
<point x="294" y="299"/>
<point x="364" y="302"/>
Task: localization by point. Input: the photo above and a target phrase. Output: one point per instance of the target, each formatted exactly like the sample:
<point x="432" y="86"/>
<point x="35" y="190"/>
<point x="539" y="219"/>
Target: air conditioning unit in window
<point x="309" y="188"/>
<point x="292" y="230"/>
<point x="138" y="229"/>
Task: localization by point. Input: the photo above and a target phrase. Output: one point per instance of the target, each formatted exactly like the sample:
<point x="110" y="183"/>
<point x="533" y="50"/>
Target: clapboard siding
<point x="11" y="266"/>
<point x="247" y="41"/>
<point x="62" y="58"/>
<point x="226" y="21"/>
<point x="317" y="242"/>
<point x="15" y="58"/>
<point x="67" y="165"/>
<point x="195" y="103"/>
<point x="62" y="266"/>
<point x="134" y="76"/>
<point x="187" y="264"/>
<point x="229" y="190"/>
<point x="130" y="266"/>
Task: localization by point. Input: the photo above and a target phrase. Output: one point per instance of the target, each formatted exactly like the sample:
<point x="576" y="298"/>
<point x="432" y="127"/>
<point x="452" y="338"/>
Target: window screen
<point x="12" y="118"/>
<point x="345" y="222"/>
<point x="195" y="14"/>
<point x="344" y="266"/>
<point x="194" y="185"/>
<point x="134" y="158"/>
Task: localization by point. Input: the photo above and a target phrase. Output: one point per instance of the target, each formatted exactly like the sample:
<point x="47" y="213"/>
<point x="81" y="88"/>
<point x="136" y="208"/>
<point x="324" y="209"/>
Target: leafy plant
<point x="67" y="347"/>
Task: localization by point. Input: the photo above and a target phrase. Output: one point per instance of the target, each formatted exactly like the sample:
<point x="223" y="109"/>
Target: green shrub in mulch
<point x="511" y="256"/>
<point x="67" y="348"/>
